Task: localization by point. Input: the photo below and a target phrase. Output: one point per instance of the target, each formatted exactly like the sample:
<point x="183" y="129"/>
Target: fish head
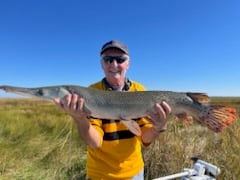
<point x="49" y="92"/>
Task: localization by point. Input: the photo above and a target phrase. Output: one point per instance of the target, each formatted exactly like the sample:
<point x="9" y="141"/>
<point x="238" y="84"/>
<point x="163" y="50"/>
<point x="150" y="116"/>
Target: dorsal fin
<point x="199" y="97"/>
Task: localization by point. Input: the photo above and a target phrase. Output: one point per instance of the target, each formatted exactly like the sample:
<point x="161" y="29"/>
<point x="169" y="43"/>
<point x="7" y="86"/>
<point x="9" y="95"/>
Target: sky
<point x="175" y="45"/>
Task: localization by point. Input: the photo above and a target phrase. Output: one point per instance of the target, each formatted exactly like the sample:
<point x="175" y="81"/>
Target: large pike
<point x="131" y="105"/>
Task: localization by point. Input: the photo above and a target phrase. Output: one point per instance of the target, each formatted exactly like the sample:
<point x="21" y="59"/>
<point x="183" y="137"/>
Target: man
<point x="113" y="151"/>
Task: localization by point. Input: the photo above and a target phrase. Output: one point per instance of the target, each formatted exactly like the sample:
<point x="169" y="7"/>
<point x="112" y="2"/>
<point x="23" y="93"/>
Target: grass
<point x="173" y="150"/>
<point x="39" y="141"/>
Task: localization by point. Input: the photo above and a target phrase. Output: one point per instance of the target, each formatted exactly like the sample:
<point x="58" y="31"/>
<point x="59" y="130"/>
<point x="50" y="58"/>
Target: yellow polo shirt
<point x="119" y="156"/>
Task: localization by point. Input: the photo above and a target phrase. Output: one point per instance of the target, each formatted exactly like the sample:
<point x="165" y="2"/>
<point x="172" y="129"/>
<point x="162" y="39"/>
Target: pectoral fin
<point x="186" y="119"/>
<point x="133" y="127"/>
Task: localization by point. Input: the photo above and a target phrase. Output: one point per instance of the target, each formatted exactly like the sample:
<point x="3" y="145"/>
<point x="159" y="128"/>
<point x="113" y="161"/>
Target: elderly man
<point x="113" y="151"/>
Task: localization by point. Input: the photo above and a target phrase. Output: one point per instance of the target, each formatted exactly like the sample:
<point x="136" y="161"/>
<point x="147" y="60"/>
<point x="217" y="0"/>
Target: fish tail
<point x="219" y="117"/>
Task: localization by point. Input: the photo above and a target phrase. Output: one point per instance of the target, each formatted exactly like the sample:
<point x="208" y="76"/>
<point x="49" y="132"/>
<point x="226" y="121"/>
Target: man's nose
<point x="114" y="62"/>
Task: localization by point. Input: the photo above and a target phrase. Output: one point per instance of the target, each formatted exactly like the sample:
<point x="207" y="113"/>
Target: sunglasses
<point x="110" y="59"/>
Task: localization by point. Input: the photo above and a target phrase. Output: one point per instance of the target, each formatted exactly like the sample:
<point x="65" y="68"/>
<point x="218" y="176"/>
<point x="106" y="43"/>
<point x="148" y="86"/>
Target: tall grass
<point x="39" y="141"/>
<point x="173" y="150"/>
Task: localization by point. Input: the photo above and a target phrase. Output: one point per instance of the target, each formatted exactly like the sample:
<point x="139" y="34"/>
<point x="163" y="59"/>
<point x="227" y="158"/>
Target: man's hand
<point x="73" y="105"/>
<point x="159" y="118"/>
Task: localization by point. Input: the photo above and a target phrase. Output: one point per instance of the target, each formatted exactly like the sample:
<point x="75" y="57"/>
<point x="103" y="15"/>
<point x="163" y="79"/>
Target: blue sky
<point x="177" y="45"/>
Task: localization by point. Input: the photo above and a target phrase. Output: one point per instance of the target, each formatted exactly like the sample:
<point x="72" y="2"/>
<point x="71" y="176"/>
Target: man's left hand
<point x="159" y="117"/>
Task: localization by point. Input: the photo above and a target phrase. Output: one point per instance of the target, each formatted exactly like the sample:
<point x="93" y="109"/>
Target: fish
<point x="130" y="105"/>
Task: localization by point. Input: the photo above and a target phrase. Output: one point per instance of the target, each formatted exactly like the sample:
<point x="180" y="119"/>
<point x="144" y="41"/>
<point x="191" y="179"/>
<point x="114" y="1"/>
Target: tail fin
<point x="218" y="117"/>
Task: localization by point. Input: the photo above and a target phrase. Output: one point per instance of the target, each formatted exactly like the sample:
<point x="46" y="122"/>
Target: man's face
<point x="115" y="64"/>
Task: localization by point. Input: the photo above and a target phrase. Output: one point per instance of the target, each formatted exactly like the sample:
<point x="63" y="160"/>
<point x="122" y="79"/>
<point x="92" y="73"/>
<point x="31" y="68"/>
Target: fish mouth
<point x="13" y="89"/>
<point x="17" y="90"/>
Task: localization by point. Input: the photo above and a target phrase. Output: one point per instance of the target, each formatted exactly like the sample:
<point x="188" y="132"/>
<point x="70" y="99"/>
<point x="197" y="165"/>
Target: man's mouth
<point x="114" y="71"/>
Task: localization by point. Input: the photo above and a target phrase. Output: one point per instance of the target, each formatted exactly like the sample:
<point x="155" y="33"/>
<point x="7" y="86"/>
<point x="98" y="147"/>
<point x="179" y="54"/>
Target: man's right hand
<point x="72" y="104"/>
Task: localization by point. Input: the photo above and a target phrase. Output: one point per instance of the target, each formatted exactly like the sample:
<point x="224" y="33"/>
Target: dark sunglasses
<point x="110" y="59"/>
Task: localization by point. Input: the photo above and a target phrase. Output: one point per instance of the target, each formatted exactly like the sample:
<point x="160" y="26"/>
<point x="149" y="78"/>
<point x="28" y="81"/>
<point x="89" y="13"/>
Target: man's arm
<point x="73" y="105"/>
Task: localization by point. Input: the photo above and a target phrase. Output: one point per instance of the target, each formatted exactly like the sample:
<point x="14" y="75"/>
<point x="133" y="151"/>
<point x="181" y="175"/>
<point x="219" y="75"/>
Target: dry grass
<point x="173" y="150"/>
<point x="39" y="141"/>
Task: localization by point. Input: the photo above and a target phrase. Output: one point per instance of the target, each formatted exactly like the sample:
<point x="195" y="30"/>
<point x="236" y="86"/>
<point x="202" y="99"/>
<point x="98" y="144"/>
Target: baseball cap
<point x="114" y="44"/>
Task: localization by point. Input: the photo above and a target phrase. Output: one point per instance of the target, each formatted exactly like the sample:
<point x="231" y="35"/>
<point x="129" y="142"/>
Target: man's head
<point x="114" y="61"/>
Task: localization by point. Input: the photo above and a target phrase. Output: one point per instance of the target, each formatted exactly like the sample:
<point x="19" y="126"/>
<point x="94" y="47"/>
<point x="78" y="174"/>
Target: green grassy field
<point x="39" y="141"/>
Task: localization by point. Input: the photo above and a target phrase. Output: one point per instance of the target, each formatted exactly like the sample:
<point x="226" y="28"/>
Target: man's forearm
<point x="87" y="132"/>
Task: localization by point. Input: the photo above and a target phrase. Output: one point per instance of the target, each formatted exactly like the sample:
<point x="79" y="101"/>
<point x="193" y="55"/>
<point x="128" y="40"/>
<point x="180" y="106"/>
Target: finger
<point x="65" y="101"/>
<point x="80" y="104"/>
<point x="166" y="107"/>
<point x="152" y="116"/>
<point x="160" y="110"/>
<point x="57" y="101"/>
<point x="73" y="103"/>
